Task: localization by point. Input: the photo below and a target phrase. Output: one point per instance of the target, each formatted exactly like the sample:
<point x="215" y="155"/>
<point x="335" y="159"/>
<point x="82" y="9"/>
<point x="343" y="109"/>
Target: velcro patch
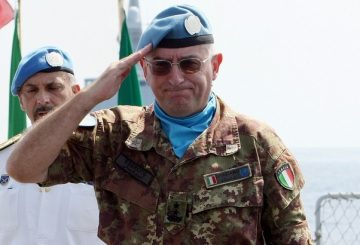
<point x="135" y="170"/>
<point x="227" y="176"/>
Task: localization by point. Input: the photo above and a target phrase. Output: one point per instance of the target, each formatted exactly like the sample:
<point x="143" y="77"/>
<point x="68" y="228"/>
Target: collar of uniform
<point x="221" y="138"/>
<point x="146" y="133"/>
<point x="141" y="135"/>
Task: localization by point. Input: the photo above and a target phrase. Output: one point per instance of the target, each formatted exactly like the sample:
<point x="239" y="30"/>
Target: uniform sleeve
<point x="283" y="220"/>
<point x="74" y="163"/>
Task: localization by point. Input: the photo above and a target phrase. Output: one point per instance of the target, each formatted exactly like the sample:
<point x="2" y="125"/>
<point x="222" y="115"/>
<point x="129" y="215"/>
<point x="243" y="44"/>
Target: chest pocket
<point x="133" y="191"/>
<point x="9" y="203"/>
<point x="243" y="194"/>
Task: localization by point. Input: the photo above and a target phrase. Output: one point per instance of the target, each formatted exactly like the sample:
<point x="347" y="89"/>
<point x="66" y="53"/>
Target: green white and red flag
<point x="285" y="176"/>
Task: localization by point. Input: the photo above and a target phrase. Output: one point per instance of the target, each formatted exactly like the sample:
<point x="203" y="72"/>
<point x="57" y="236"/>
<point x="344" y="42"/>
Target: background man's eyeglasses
<point x="187" y="65"/>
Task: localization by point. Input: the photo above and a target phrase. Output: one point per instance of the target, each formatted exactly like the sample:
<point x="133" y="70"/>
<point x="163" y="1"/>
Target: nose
<point x="42" y="98"/>
<point x="176" y="75"/>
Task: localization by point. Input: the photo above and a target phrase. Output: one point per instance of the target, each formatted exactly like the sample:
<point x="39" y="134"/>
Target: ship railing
<point x="338" y="219"/>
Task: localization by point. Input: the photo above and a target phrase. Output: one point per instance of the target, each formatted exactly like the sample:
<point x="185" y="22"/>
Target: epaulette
<point x="10" y="141"/>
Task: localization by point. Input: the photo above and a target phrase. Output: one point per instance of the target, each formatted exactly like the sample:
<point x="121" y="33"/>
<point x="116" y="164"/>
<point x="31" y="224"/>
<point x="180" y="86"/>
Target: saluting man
<point x="185" y="170"/>
<point x="64" y="214"/>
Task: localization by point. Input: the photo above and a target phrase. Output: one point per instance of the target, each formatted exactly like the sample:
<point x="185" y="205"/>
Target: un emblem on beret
<point x="54" y="59"/>
<point x="192" y="24"/>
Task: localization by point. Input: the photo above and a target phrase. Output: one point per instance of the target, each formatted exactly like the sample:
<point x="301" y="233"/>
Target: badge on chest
<point x="227" y="176"/>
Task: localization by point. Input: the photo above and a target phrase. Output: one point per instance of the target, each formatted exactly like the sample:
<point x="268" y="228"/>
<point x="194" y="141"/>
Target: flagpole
<point x="121" y="16"/>
<point x="19" y="23"/>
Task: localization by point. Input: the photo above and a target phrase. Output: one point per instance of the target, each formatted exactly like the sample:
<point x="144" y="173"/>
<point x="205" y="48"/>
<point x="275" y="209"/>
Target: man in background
<point x="64" y="214"/>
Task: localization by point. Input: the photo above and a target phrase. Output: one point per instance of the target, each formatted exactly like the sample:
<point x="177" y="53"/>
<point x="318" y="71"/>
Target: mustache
<point x="43" y="108"/>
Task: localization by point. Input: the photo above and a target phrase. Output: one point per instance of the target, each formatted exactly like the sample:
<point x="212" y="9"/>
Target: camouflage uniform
<point x="148" y="196"/>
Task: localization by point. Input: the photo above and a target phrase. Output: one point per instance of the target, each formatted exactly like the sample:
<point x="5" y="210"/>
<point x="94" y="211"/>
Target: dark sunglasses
<point x="187" y="65"/>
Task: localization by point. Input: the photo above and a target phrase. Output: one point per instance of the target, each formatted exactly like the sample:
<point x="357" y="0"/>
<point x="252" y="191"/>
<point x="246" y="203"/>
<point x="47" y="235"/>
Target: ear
<point x="216" y="62"/>
<point x="21" y="103"/>
<point x="75" y="88"/>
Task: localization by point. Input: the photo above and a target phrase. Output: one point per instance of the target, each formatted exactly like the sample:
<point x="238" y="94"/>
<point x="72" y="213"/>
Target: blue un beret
<point x="45" y="59"/>
<point x="176" y="27"/>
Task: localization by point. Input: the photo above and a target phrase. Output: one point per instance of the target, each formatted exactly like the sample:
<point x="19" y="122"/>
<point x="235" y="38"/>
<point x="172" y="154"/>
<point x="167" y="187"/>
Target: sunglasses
<point x="163" y="67"/>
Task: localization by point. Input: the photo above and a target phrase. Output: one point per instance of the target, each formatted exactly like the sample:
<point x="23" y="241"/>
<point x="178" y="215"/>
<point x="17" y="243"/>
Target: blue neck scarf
<point x="182" y="131"/>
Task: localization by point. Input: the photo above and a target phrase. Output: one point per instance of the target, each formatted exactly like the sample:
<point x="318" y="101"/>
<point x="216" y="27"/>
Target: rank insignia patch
<point x="227" y="176"/>
<point x="285" y="176"/>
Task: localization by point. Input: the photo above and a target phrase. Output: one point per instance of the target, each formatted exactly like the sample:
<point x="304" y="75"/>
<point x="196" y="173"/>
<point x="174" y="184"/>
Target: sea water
<point x="327" y="170"/>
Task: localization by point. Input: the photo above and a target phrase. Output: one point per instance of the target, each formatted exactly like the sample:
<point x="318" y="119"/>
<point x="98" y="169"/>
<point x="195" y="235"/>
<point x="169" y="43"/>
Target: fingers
<point x="137" y="56"/>
<point x="145" y="50"/>
<point x="111" y="79"/>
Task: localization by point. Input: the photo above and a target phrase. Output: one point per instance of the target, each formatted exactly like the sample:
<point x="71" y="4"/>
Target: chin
<point x="36" y="118"/>
<point x="180" y="111"/>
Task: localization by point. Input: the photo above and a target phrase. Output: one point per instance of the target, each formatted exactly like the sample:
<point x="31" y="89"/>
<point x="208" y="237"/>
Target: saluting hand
<point x="111" y="79"/>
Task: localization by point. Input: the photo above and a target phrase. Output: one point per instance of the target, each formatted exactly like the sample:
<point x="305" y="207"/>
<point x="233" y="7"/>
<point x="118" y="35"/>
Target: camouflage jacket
<point x="228" y="188"/>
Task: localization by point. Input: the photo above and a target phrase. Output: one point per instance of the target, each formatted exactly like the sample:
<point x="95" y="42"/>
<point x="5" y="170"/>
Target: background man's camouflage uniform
<point x="147" y="195"/>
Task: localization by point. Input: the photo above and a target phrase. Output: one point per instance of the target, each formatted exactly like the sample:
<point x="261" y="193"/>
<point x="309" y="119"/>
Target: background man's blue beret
<point x="176" y="27"/>
<point x="45" y="59"/>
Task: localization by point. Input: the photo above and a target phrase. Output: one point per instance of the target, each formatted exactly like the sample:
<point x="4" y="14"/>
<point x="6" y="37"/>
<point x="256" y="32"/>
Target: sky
<point x="292" y="64"/>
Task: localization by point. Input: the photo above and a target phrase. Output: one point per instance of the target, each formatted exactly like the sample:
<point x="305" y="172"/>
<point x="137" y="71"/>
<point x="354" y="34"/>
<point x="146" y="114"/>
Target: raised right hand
<point x="108" y="84"/>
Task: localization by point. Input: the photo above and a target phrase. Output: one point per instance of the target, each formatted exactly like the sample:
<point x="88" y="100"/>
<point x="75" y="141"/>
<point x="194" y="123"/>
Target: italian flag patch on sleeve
<point x="285" y="176"/>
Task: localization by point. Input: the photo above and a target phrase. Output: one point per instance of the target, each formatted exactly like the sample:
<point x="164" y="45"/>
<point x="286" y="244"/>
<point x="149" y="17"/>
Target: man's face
<point x="43" y="92"/>
<point x="180" y="94"/>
